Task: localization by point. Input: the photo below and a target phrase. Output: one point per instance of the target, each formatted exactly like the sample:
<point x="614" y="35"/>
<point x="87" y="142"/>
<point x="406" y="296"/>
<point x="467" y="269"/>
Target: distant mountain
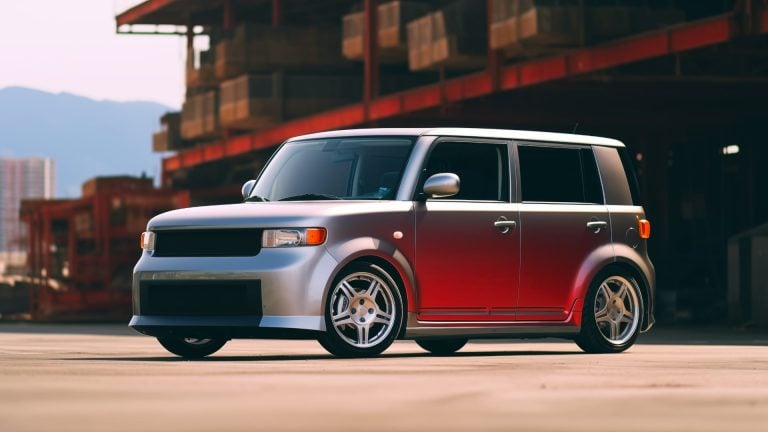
<point x="85" y="137"/>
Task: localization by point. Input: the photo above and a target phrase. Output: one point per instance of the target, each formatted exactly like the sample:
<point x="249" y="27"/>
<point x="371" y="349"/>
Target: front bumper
<point x="292" y="281"/>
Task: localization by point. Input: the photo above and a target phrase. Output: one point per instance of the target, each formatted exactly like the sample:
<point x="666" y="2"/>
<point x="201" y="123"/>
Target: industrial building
<point x="682" y="83"/>
<point x="82" y="251"/>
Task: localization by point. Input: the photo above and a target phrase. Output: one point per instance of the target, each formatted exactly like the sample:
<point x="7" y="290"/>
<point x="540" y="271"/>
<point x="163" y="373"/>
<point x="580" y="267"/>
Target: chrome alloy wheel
<point x="617" y="310"/>
<point x="363" y="309"/>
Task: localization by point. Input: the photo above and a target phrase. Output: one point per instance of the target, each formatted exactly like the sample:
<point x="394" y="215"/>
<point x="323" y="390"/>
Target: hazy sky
<point x="71" y="46"/>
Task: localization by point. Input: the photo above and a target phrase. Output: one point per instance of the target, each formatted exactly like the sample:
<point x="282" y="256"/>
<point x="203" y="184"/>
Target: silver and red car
<point x="360" y="237"/>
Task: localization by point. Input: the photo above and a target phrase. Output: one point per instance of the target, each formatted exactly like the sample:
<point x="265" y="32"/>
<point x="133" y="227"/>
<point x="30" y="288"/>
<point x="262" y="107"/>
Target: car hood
<point x="272" y="214"/>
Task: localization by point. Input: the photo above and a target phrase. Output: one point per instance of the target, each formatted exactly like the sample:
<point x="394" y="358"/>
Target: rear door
<point x="563" y="219"/>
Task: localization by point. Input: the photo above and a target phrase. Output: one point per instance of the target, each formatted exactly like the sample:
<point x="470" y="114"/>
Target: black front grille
<point x="200" y="298"/>
<point x="207" y="243"/>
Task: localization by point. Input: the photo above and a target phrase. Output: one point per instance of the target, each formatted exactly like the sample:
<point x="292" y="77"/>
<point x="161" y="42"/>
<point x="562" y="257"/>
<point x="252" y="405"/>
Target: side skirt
<point x="484" y="329"/>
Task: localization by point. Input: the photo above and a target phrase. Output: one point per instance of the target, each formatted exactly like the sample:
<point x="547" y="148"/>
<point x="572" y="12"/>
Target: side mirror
<point x="442" y="185"/>
<point x="248" y="188"/>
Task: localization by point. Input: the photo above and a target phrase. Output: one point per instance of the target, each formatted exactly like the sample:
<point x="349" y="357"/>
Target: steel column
<point x="229" y="15"/>
<point x="277" y="13"/>
<point x="370" y="53"/>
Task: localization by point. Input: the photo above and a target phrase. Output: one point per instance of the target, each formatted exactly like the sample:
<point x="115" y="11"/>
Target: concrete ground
<point x="106" y="378"/>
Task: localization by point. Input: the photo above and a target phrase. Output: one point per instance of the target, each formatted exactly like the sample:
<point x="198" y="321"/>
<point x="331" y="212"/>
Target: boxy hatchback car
<point x="360" y="237"/>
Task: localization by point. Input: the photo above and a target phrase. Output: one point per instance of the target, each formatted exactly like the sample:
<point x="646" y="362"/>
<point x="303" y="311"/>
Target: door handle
<point x="504" y="225"/>
<point x="596" y="226"/>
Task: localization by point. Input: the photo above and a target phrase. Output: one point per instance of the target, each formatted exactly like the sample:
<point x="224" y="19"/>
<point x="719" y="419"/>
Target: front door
<point x="467" y="264"/>
<point x="564" y="224"/>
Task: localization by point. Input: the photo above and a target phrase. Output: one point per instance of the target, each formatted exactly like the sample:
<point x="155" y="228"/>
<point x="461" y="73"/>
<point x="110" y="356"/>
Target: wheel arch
<point x="384" y="255"/>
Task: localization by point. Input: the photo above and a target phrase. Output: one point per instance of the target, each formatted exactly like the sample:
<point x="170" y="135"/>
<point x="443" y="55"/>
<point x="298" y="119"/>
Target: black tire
<point x="357" y="310"/>
<point x="596" y="338"/>
<point x="442" y="346"/>
<point x="191" y="348"/>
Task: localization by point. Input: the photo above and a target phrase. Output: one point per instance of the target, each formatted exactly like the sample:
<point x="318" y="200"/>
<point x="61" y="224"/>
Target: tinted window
<point x="348" y="168"/>
<point x="556" y="174"/>
<point x="483" y="169"/>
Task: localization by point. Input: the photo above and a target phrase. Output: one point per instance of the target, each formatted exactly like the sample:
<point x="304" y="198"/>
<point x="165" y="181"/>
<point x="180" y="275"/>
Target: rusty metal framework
<point x="81" y="251"/>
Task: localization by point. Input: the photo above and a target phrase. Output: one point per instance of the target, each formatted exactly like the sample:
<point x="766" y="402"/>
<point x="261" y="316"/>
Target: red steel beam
<point x="136" y="13"/>
<point x="586" y="60"/>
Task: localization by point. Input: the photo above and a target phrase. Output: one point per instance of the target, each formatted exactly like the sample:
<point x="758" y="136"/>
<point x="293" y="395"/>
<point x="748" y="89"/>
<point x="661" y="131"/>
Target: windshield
<point x="338" y="168"/>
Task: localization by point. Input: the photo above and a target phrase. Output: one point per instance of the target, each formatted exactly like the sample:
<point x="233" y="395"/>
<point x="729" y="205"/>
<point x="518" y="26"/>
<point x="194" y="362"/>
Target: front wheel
<point x="363" y="312"/>
<point x="612" y="312"/>
<point x="191" y="347"/>
<point x="441" y="346"/>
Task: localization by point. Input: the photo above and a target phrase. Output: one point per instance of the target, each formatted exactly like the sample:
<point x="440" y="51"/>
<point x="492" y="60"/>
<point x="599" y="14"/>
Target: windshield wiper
<point x="256" y="198"/>
<point x="311" y="197"/>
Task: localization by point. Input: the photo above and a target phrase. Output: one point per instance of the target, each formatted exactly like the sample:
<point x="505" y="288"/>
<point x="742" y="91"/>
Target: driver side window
<point x="483" y="169"/>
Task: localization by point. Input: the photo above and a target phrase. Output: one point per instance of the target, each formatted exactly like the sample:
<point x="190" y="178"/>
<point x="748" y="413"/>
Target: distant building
<point x="20" y="179"/>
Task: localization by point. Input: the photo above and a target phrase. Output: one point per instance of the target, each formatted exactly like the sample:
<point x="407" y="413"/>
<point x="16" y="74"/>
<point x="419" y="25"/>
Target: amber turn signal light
<point x="645" y="228"/>
<point x="315" y="236"/>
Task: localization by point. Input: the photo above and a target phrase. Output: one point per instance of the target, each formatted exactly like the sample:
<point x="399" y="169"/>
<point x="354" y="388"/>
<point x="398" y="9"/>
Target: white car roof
<point x="520" y="135"/>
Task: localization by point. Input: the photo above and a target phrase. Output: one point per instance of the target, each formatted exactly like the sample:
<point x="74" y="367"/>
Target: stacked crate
<point x="200" y="75"/>
<point x="420" y="43"/>
<point x="452" y="37"/>
<point x="352" y="29"/>
<point x="531" y="25"/>
<point x="260" y="100"/>
<point x="257" y="48"/>
<point x="392" y="32"/>
<point x="168" y="138"/>
<point x="273" y="74"/>
<point x="199" y="116"/>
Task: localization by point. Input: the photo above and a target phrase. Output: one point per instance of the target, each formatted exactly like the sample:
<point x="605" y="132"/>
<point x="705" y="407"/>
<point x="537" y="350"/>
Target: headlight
<point x="288" y="237"/>
<point x="148" y="241"/>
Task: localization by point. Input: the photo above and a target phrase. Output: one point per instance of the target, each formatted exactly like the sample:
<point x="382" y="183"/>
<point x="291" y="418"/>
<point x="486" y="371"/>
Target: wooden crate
<point x="529" y="27"/>
<point x="168" y="138"/>
<point x="231" y="60"/>
<point x="289" y="48"/>
<point x="352" y="26"/>
<point x="257" y="101"/>
<point x="459" y="35"/>
<point x="420" y="43"/>
<point x="250" y="102"/>
<point x="200" y="116"/>
<point x="393" y="32"/>
<point x="393" y="17"/>
<point x="200" y="75"/>
<point x="191" y="121"/>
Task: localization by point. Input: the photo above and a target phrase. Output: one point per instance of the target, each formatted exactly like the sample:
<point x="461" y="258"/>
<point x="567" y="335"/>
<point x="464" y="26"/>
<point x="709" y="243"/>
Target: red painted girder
<point x="141" y="10"/>
<point x="648" y="45"/>
<point x="763" y="26"/>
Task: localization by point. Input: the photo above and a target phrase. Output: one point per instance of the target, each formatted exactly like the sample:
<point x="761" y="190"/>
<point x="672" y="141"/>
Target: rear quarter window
<point x="559" y="175"/>
<point x="618" y="177"/>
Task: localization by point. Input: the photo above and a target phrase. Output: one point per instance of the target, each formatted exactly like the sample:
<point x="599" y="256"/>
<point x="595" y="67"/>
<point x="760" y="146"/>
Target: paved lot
<point x="103" y="377"/>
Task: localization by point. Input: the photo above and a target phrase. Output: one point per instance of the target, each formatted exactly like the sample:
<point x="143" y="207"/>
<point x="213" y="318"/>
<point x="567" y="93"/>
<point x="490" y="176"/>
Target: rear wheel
<point x="363" y="312"/>
<point x="612" y="312"/>
<point x="441" y="346"/>
<point x="191" y="347"/>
